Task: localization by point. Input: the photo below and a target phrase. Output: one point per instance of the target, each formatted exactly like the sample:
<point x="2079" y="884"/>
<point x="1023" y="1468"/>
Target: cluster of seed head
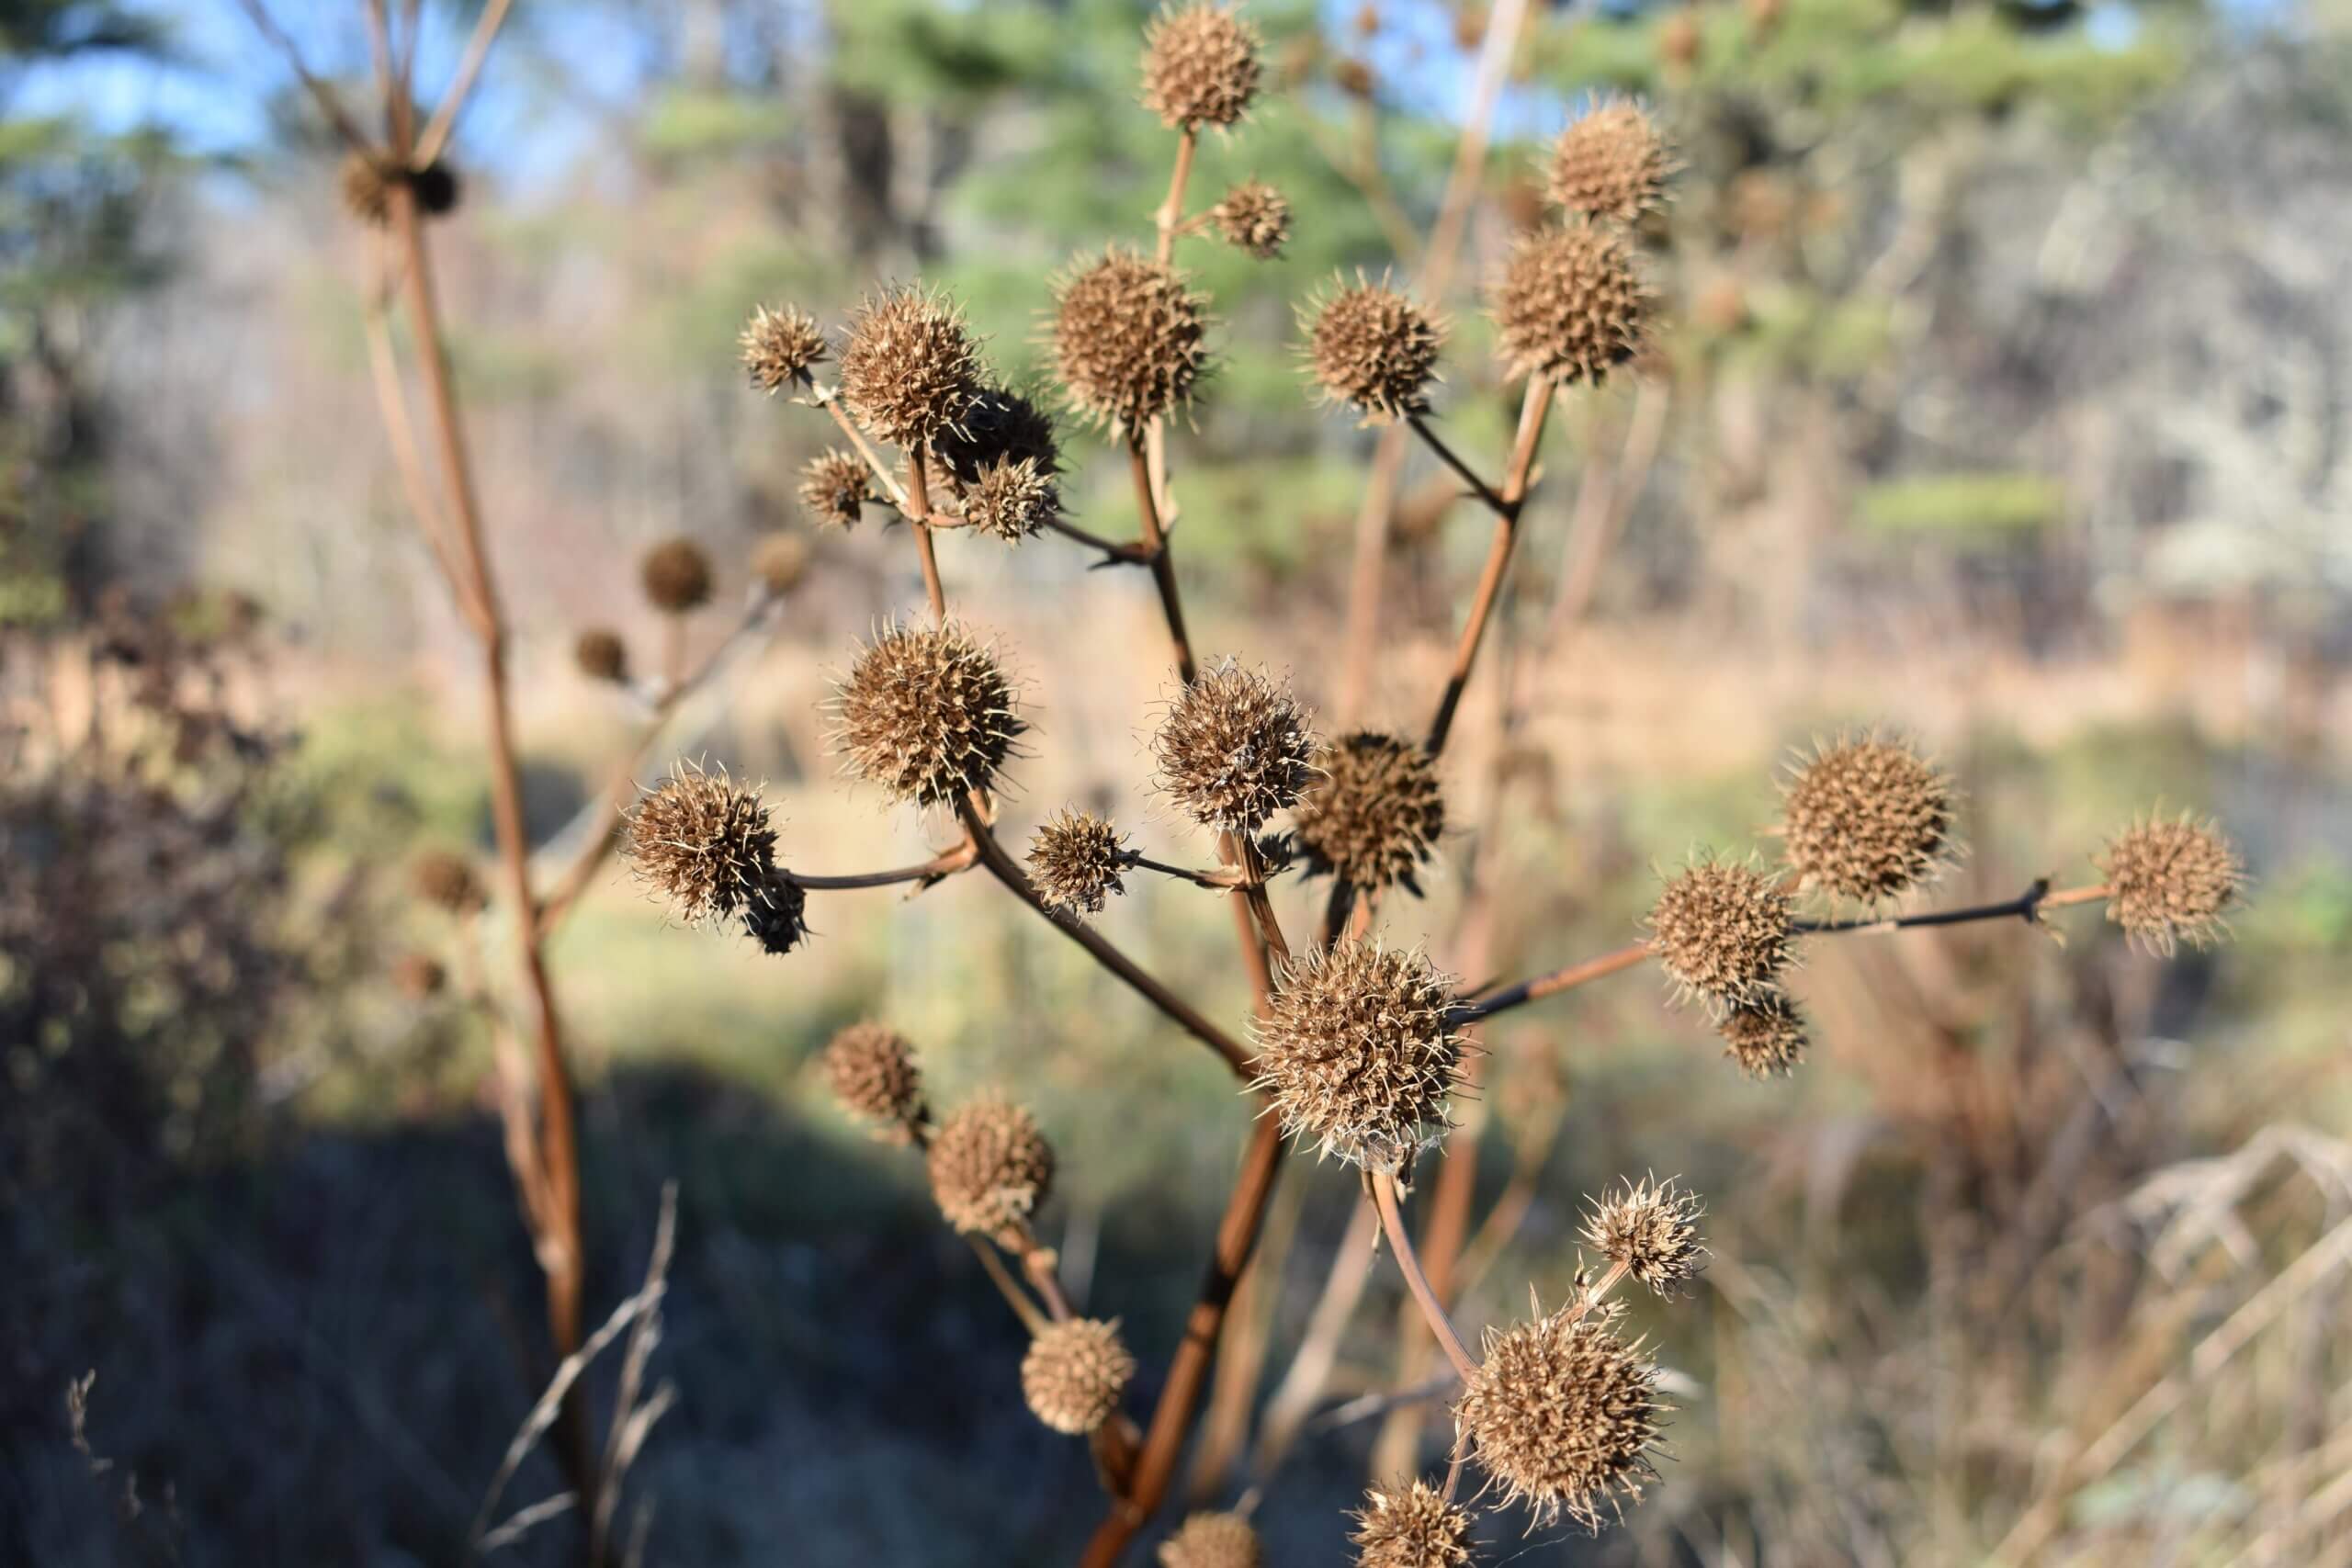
<point x="675" y="575"/>
<point x="2171" y="882"/>
<point x="871" y="1067"/>
<point x="1723" y="931"/>
<point x="1866" y="819"/>
<point x="1235" y="748"/>
<point x="1127" y="340"/>
<point x="1013" y="501"/>
<point x="1766" y="1036"/>
<point x="990" y="1169"/>
<point x="780" y="347"/>
<point x="1200" y="66"/>
<point x="1563" y="1414"/>
<point x="1373" y="349"/>
<point x="1004" y="465"/>
<point x="1253" y="217"/>
<point x="835" y="485"/>
<point x="445" y="880"/>
<point x="1374" y="815"/>
<point x="1570" y="305"/>
<point x="1213" y="1540"/>
<point x="1410" y="1527"/>
<point x="910" y="372"/>
<point x="928" y="714"/>
<point x="704" y="844"/>
<point x="1074" y="1373"/>
<point x="1078" y="859"/>
<point x="1652" y="1232"/>
<point x="601" y="655"/>
<point x="1359" y="1050"/>
<point x="1610" y="164"/>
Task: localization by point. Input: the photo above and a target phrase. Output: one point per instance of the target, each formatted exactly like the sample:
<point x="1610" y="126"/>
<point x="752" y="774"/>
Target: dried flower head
<point x="835" y="485"/>
<point x="1078" y="858"/>
<point x="601" y="655"/>
<point x="910" y="372"/>
<point x="1611" y="164"/>
<point x="1253" y="217"/>
<point x="1569" y="305"/>
<point x="780" y="346"/>
<point x="1200" y="66"/>
<point x="1563" y="1414"/>
<point x="872" y="1070"/>
<point x="1004" y="426"/>
<point x="436" y="188"/>
<point x="1651" y="1231"/>
<point x="1127" y="339"/>
<point x="1866" y="818"/>
<point x="366" y="184"/>
<point x="928" y="714"/>
<point x="418" y="976"/>
<point x="1765" y="1036"/>
<point x="1411" y="1526"/>
<point x="2172" y="881"/>
<point x="1376" y="813"/>
<point x="675" y="575"/>
<point x="1013" y="501"/>
<point x="1374" y="349"/>
<point x="780" y="561"/>
<point x="1359" y="1052"/>
<point x="990" y="1169"/>
<point x="1722" y="930"/>
<point x="1075" y="1372"/>
<point x="1213" y="1540"/>
<point x="445" y="880"/>
<point x="1235" y="748"/>
<point x="703" y="843"/>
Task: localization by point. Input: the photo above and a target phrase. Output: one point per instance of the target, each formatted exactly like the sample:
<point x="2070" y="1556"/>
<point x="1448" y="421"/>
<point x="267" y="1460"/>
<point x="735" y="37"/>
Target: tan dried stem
<point x="1400" y="1240"/>
<point x="436" y="131"/>
<point x="1511" y="501"/>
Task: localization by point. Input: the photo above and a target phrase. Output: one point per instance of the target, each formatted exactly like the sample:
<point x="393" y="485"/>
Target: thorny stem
<point x="1511" y="500"/>
<point x="1383" y="1194"/>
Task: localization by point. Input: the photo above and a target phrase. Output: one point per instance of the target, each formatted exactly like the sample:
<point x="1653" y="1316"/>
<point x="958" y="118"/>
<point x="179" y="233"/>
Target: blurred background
<point x="2004" y="396"/>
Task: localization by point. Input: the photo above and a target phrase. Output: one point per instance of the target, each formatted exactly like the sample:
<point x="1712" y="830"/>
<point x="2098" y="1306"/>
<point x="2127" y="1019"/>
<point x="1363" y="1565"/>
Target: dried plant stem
<point x="1170" y="216"/>
<point x="919" y="515"/>
<point x="1558" y="980"/>
<point x="831" y="402"/>
<point x="1392" y="1221"/>
<point x="2027" y="906"/>
<point x="947" y="863"/>
<point x="323" y="95"/>
<point x="1114" y="552"/>
<point x="1478" y="487"/>
<point x="1509" y="503"/>
<point x="1163" y="567"/>
<point x="1035" y="1321"/>
<point x="461" y="85"/>
<point x="1318" y="1348"/>
<point x="1253" y="891"/>
<point x="1222" y="881"/>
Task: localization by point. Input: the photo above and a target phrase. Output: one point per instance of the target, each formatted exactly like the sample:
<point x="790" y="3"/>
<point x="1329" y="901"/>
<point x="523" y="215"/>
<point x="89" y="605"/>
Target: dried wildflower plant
<point x="835" y="487"/>
<point x="1128" y="339"/>
<point x="1569" y="305"/>
<point x="1200" y="66"/>
<point x="780" y="347"/>
<point x="601" y="655"/>
<point x="1075" y="1372"/>
<point x="872" y="1070"/>
<point x="990" y="1169"/>
<point x="1866" y="820"/>
<point x="1723" y="930"/>
<point x="445" y="880"/>
<point x="1564" y="1415"/>
<point x="1374" y="815"/>
<point x="2172" y="881"/>
<point x="1765" y="1036"/>
<point x="1236" y="749"/>
<point x="1611" y="163"/>
<point x="676" y="576"/>
<point x="1651" y="1231"/>
<point x="1373" y="349"/>
<point x="927" y="713"/>
<point x="1077" y="859"/>
<point x="704" y="844"/>
<point x="1359" y="1052"/>
<point x="910" y="371"/>
<point x="1253" y="217"/>
<point x="1214" y="1540"/>
<point x="1411" y="1525"/>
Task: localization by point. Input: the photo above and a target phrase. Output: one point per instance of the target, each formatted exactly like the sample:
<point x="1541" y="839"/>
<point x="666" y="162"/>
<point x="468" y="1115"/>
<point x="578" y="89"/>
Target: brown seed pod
<point x="1866" y="818"/>
<point x="1373" y="349"/>
<point x="1410" y="1527"/>
<point x="418" y="976"/>
<point x="872" y="1070"/>
<point x="835" y="485"/>
<point x="675" y="575"/>
<point x="1200" y="66"/>
<point x="1235" y="748"/>
<point x="366" y="184"/>
<point x="703" y="843"/>
<point x="601" y="655"/>
<point x="1610" y="164"/>
<point x="912" y="371"/>
<point x="990" y="1169"/>
<point x="445" y="880"/>
<point x="1723" y="930"/>
<point x="1375" y="814"/>
<point x="1126" y="340"/>
<point x="1569" y="305"/>
<point x="1077" y="859"/>
<point x="1652" y="1231"/>
<point x="1075" y="1372"/>
<point x="780" y="561"/>
<point x="1013" y="501"/>
<point x="1563" y="1414"/>
<point x="1765" y="1036"/>
<point x="928" y="714"/>
<point x="1253" y="217"/>
<point x="1004" y="426"/>
<point x="438" y="189"/>
<point x="1213" y="1540"/>
<point x="1359" y="1052"/>
<point x="2172" y="881"/>
<point x="780" y="346"/>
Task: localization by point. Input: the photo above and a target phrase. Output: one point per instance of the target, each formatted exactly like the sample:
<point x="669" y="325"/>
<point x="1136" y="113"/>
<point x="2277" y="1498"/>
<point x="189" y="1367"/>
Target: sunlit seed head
<point x="1722" y="930"/>
<point x="1611" y="163"/>
<point x="1253" y="217"/>
<point x="1235" y="748"/>
<point x="1866" y="820"/>
<point x="1412" y="1526"/>
<point x="1569" y="305"/>
<point x="1200" y="66"/>
<point x="871" y="1069"/>
<point x="1651" y="1230"/>
<point x="1563" y="1414"/>
<point x="928" y="714"/>
<point x="779" y="347"/>
<point x="1077" y="860"/>
<point x="1765" y="1035"/>
<point x="910" y="371"/>
<point x="1374" y="815"/>
<point x="2172" y="881"/>
<point x="1213" y="1540"/>
<point x="990" y="1169"/>
<point x="1358" y="1051"/>
<point x="1074" y="1373"/>
<point x="1127" y="340"/>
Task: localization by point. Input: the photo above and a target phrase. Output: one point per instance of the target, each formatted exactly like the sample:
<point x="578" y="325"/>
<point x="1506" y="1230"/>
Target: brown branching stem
<point x="1400" y="1240"/>
<point x="1156" y="556"/>
<point x="947" y="863"/>
<point x="1509" y="503"/>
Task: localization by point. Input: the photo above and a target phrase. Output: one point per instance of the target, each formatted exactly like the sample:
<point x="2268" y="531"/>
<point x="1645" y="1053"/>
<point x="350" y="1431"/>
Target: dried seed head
<point x="1722" y="930"/>
<point x="675" y="575"/>
<point x="1213" y="1540"/>
<point x="1569" y="305"/>
<point x="780" y="346"/>
<point x="1254" y="217"/>
<point x="1765" y="1036"/>
<point x="1359" y="1052"/>
<point x="1376" y="813"/>
<point x="703" y="843"/>
<point x="1013" y="501"/>
<point x="366" y="188"/>
<point x="835" y="486"/>
<point x="1235" y="748"/>
<point x="990" y="1169"/>
<point x="780" y="561"/>
<point x="1004" y="426"/>
<point x="1611" y="164"/>
<point x="872" y="1070"/>
<point x="418" y="976"/>
<point x="445" y="880"/>
<point x="601" y="655"/>
<point x="1374" y="349"/>
<point x="2172" y="881"/>
<point x="776" y="914"/>
<point x="1563" y="1414"/>
<point x="1200" y="66"/>
<point x="910" y="372"/>
<point x="1077" y="859"/>
<point x="1866" y="818"/>
<point x="438" y="189"/>
<point x="928" y="714"/>
<point x="1075" y="1372"/>
<point x="1412" y="1527"/>
<point x="1652" y="1231"/>
<point x="1127" y="340"/>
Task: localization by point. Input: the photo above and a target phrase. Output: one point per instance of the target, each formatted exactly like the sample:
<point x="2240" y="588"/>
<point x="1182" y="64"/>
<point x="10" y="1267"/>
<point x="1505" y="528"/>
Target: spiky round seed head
<point x="780" y="346"/>
<point x="872" y="1070"/>
<point x="1569" y="305"/>
<point x="1127" y="340"/>
<point x="835" y="486"/>
<point x="774" y="912"/>
<point x="1200" y="66"/>
<point x="675" y="575"/>
<point x="1254" y="217"/>
<point x="366" y="184"/>
<point x="1611" y="164"/>
<point x="990" y="1169"/>
<point x="928" y="714"/>
<point x="1765" y="1036"/>
<point x="601" y="655"/>
<point x="1563" y="1414"/>
<point x="1412" y="1527"/>
<point x="1866" y="818"/>
<point x="1013" y="501"/>
<point x="1213" y="1540"/>
<point x="2172" y="881"/>
<point x="1004" y="426"/>
<point x="1235" y="748"/>
<point x="1375" y="814"/>
<point x="1077" y="859"/>
<point x="1722" y="930"/>
<point x="780" y="561"/>
<point x="1652" y="1230"/>
<point x="445" y="880"/>
<point x="436" y="187"/>
<point x="418" y="976"/>
<point x="1374" y="349"/>
<point x="912" y="371"/>
<point x="1074" y="1373"/>
<point x="1359" y="1052"/>
<point x="703" y="843"/>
